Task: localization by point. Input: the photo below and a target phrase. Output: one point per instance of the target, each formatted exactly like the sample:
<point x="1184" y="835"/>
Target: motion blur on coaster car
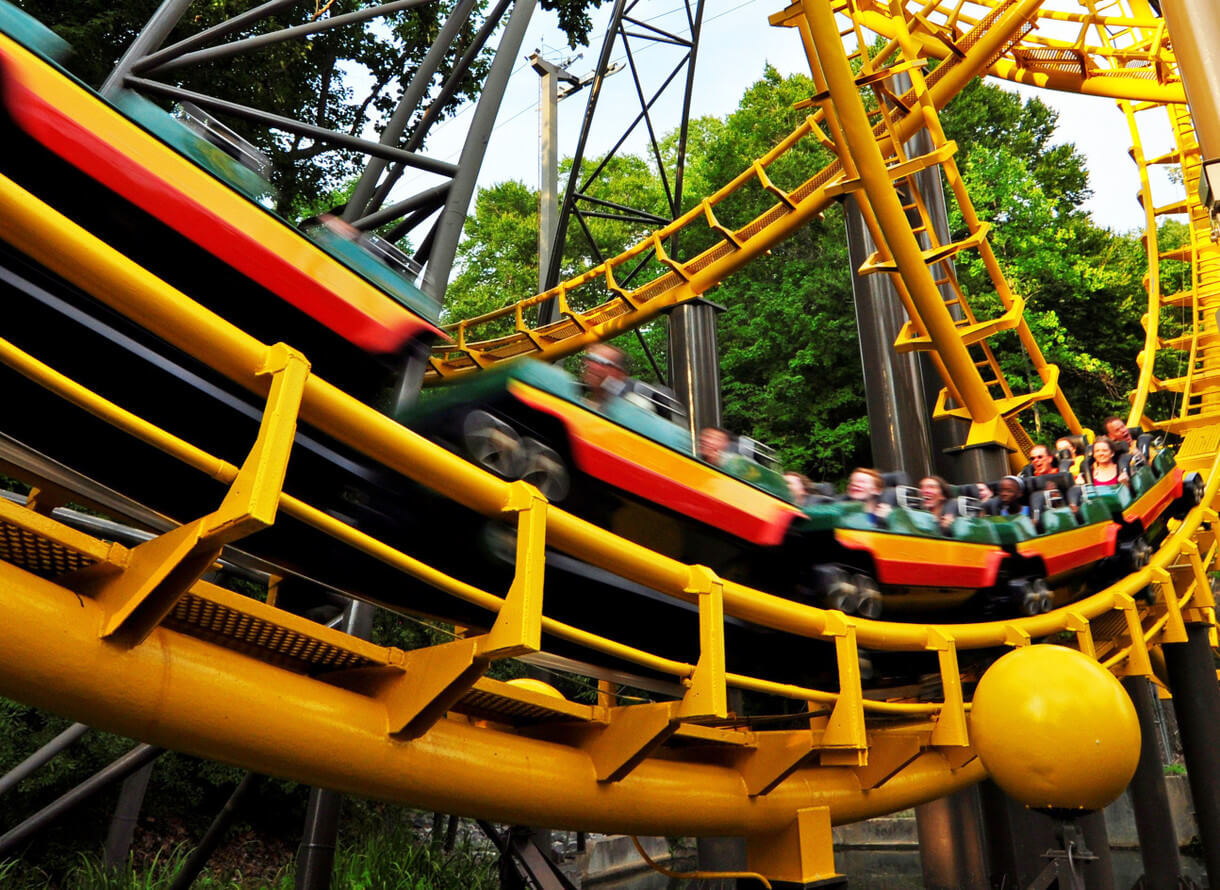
<point x="620" y="454"/>
<point x="187" y="198"/>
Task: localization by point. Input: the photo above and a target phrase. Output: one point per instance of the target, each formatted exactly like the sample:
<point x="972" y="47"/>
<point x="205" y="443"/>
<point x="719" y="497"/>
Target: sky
<point x="737" y="43"/>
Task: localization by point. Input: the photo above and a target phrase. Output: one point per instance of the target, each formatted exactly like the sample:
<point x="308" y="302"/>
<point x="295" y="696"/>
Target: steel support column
<point x="1098" y="874"/>
<point x="1016" y="838"/>
<point x="721" y="854"/>
<point x="569" y="196"/>
<point x="1149" y="799"/>
<point x="135" y="759"/>
<point x="453" y="217"/>
<point x="42" y="756"/>
<point x="951" y="841"/>
<point x="357" y="204"/>
<point x="898" y="423"/>
<point x="1194" y="31"/>
<point x="316" y="855"/>
<point x="694" y="363"/>
<point x="948" y="459"/>
<point x="548" y="170"/>
<point x="158" y="28"/>
<point x="126" y="815"/>
<point x="1192" y="679"/>
<point x="213" y="836"/>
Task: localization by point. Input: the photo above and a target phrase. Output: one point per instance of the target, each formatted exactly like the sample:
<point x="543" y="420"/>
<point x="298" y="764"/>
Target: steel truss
<point x="579" y="202"/>
<point x="151" y="67"/>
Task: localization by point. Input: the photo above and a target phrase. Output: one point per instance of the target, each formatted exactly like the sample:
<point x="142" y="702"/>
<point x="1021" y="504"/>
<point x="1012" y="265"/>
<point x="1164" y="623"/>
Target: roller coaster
<point x="142" y="381"/>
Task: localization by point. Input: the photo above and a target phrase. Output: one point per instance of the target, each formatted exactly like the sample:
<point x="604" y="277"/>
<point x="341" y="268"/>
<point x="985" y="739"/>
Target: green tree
<point x="498" y="259"/>
<point x="789" y="354"/>
<point x="787" y="338"/>
<point x="1081" y="282"/>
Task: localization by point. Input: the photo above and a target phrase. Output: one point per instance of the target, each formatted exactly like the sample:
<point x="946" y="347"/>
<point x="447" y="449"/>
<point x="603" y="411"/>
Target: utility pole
<point x="549" y="95"/>
<point x="548" y="153"/>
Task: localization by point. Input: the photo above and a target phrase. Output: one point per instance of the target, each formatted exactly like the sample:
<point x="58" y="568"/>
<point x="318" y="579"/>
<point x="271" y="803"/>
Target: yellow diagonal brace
<point x="158" y="572"/>
<point x="707" y="695"/>
<point x="629" y="736"/>
<point x="774" y="757"/>
<point x="1079" y="625"/>
<point x="433" y="679"/>
<point x="888" y="753"/>
<point x="253" y="497"/>
<point x="845" y="742"/>
<point x="1138" y="664"/>
<point x="162" y="569"/>
<point x="1175" y="627"/>
<point x="950" y="730"/>
<point x="1201" y="597"/>
<point x="518" y="627"/>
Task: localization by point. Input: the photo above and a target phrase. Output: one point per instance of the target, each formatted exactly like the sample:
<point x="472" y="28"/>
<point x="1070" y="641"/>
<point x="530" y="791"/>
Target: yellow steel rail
<point x="295" y="731"/>
<point x="92" y="265"/>
<point x="618" y="309"/>
<point x="920" y="262"/>
<point x="370" y="710"/>
<point x="1194" y="350"/>
<point x="1116" y="49"/>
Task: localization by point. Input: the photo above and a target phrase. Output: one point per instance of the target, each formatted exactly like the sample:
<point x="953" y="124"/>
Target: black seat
<point x="1061" y="481"/>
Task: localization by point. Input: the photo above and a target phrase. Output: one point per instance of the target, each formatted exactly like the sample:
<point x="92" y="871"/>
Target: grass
<point x="391" y="857"/>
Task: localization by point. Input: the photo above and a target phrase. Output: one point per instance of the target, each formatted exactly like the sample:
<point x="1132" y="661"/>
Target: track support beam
<point x="135" y="759"/>
<point x="798" y="856"/>
<point x="1192" y="679"/>
<point x="1149" y="799"/>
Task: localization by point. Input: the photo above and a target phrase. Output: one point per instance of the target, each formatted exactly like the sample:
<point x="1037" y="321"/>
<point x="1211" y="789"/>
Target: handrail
<point x="697" y="275"/>
<point x="94" y="266"/>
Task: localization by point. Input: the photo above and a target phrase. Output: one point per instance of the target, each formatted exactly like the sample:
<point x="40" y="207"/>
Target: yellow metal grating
<point x="37" y="554"/>
<point x="1199" y="445"/>
<point x="1108" y="627"/>
<point x="259" y="638"/>
<point x="484" y="705"/>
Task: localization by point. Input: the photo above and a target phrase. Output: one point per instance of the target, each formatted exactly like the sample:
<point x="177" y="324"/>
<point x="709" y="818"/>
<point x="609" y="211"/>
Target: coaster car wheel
<point x="1138" y="553"/>
<point x="545" y="470"/>
<point x="1191" y="497"/>
<point x="492" y="444"/>
<point x="868" y="602"/>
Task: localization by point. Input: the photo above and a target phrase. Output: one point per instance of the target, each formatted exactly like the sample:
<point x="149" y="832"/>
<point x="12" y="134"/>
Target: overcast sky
<point x="737" y="43"/>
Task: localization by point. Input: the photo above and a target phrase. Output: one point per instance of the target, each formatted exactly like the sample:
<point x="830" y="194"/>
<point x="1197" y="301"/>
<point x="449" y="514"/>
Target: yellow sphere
<point x="1055" y="729"/>
<point x="536" y="686"/>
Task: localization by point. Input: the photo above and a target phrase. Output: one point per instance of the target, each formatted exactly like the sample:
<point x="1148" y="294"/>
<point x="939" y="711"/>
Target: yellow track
<point x="130" y="640"/>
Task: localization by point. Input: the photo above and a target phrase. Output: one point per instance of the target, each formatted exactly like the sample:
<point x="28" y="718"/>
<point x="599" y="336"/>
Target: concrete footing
<point x="899" y="831"/>
<point x="611" y="862"/>
<point x="611" y="859"/>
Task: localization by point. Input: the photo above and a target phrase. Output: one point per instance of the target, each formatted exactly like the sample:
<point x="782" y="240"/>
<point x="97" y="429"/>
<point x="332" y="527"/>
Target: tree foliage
<point x="787" y="337"/>
<point x="1081" y="282"/>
